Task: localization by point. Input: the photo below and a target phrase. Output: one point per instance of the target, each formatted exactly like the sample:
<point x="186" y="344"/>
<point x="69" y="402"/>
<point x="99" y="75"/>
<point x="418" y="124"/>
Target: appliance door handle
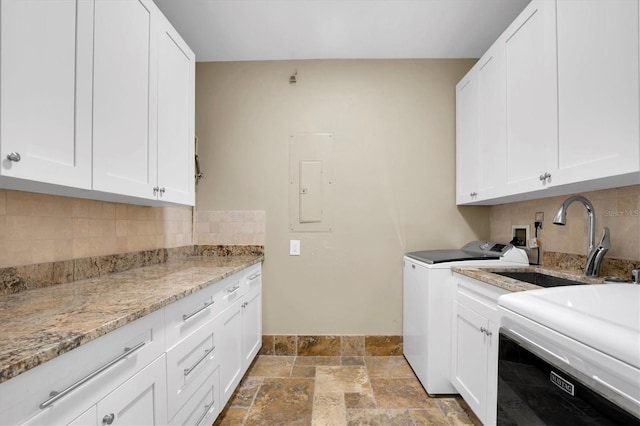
<point x="615" y="390"/>
<point x="56" y="396"/>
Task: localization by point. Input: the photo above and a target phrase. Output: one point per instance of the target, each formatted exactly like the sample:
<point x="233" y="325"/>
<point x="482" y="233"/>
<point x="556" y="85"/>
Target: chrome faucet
<point x="594" y="254"/>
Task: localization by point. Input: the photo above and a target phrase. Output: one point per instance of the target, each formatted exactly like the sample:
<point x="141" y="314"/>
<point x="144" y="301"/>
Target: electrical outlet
<point x="294" y="247"/>
<point x="539" y="217"/>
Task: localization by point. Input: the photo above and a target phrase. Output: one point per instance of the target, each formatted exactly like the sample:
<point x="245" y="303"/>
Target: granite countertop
<point x="40" y="324"/>
<point x="486" y="275"/>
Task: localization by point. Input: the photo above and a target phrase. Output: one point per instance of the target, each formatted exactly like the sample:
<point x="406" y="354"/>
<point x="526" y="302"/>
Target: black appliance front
<point x="531" y="391"/>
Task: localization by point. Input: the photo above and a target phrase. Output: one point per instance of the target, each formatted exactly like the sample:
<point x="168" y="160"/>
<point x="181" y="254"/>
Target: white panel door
<point x="531" y="93"/>
<point x="492" y="122"/>
<point x="229" y="330"/>
<point x="597" y="89"/>
<point x="141" y="400"/>
<point x="176" y="88"/>
<point x="467" y="165"/>
<point x="469" y="366"/>
<point x="124" y="151"/>
<point x="45" y="96"/>
<point x="251" y="326"/>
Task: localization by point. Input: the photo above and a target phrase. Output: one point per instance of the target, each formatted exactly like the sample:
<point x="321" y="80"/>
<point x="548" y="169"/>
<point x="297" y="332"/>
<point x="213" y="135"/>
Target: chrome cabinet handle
<point x="485" y="331"/>
<point x="545" y="176"/>
<point x="206" y="353"/>
<point x="206" y="410"/>
<point x="254" y="276"/>
<point x="14" y="156"/>
<point x="55" y="396"/>
<point x="161" y="190"/>
<point x="233" y="289"/>
<point x="474" y="194"/>
<point x="108" y="419"/>
<point x="155" y="190"/>
<point x="206" y="305"/>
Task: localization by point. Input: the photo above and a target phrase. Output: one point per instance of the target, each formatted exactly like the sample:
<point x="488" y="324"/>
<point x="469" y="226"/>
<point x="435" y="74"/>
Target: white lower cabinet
<point x="139" y="401"/>
<point x="474" y="364"/>
<point x="204" y="405"/>
<point x="178" y="365"/>
<point x="230" y="326"/>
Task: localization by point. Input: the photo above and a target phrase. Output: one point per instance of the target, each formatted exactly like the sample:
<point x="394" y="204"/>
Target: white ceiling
<point x="244" y="30"/>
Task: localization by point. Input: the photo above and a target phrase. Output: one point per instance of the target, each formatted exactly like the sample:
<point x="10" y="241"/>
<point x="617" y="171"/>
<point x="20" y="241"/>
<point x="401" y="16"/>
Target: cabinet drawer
<point x="187" y="315"/>
<point x="203" y="407"/>
<point x="82" y="376"/>
<point x="189" y="364"/>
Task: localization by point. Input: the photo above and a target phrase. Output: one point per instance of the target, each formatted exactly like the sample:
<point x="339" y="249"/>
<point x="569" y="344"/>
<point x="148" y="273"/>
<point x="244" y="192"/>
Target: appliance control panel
<point x="487" y="247"/>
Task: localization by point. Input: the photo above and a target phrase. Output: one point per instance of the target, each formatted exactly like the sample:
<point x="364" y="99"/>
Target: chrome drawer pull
<point x="254" y="276"/>
<point x="55" y="396"/>
<point x="206" y="353"/>
<point x="233" y="289"/>
<point x="206" y="410"/>
<point x="206" y="305"/>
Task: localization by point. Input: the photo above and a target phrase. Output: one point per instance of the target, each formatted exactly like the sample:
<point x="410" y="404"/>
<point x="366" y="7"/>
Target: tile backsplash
<point x="617" y="208"/>
<point x="231" y="227"/>
<point x="37" y="228"/>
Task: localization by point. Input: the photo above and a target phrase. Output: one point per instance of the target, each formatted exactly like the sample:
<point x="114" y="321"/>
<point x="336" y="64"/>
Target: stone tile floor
<point x="328" y="391"/>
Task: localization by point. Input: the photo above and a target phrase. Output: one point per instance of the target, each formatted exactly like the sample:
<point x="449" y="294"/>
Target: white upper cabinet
<point x="558" y="104"/>
<point x="481" y="128"/>
<point x="467" y="138"/>
<point x="45" y="95"/>
<point x="492" y="132"/>
<point x="97" y="101"/>
<point x="124" y="154"/>
<point x="531" y="94"/>
<point x="175" y="130"/>
<point x="598" y="93"/>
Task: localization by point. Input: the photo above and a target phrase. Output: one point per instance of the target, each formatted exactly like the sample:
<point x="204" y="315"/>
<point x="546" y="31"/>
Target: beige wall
<point x="37" y="228"/>
<point x="393" y="122"/>
<point x="616" y="208"/>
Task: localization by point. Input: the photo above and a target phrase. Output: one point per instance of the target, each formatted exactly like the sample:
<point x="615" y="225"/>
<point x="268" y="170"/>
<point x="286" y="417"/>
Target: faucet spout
<point x="561" y="218"/>
<point x="594" y="254"/>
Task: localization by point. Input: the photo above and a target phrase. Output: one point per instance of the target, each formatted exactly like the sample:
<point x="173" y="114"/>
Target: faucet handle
<point x="605" y="242"/>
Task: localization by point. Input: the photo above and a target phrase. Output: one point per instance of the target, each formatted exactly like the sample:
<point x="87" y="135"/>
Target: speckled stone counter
<point x="40" y="324"/>
<point x="486" y="275"/>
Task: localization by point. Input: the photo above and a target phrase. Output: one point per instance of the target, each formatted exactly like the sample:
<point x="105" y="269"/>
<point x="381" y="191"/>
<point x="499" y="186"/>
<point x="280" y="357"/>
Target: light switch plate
<point x="294" y="247"/>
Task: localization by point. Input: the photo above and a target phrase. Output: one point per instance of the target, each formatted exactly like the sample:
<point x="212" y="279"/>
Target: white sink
<point x="605" y="317"/>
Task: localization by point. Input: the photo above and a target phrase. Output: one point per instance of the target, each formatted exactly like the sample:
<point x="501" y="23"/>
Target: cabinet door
<point x="597" y="89"/>
<point x="251" y="326"/>
<point x="141" y="400"/>
<point x="124" y="154"/>
<point x="531" y="93"/>
<point x="89" y="417"/>
<point x="176" y="88"/>
<point x="230" y="350"/>
<point x="467" y="138"/>
<point x="45" y="72"/>
<point x="492" y="121"/>
<point x="469" y="364"/>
